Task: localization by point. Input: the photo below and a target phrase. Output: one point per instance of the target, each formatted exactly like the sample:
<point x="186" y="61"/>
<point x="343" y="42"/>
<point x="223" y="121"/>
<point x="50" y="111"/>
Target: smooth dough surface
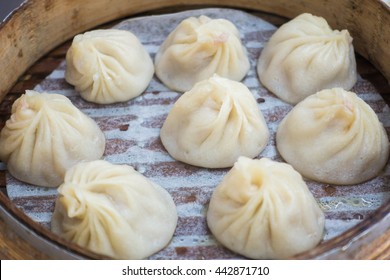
<point x="198" y="48"/>
<point x="214" y="123"/>
<point x="263" y="209"/>
<point x="334" y="137"/>
<point x="108" y="66"/>
<point x="305" y="56"/>
<point x="114" y="210"/>
<point x="45" y="135"/>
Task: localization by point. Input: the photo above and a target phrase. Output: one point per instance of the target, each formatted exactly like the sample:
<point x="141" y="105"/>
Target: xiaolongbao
<point x="214" y="123"/>
<point x="198" y="48"/>
<point x="46" y="135"/>
<point x="334" y="137"/>
<point x="305" y="56"/>
<point x="108" y="66"/>
<point x="114" y="210"/>
<point x="263" y="209"/>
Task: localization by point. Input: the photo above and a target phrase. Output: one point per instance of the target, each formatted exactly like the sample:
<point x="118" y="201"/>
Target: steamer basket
<point x="37" y="27"/>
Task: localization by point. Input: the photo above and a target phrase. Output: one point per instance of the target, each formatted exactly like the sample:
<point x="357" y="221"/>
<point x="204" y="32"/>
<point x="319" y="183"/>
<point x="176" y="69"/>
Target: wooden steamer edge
<point x="37" y="27"/>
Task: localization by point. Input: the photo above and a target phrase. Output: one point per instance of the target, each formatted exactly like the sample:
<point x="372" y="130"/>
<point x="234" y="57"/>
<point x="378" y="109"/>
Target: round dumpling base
<point x="263" y="209"/>
<point x="114" y="210"/>
<point x="334" y="137"/>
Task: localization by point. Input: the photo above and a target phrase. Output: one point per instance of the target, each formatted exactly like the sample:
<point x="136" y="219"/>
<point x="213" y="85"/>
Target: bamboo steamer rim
<point x="37" y="27"/>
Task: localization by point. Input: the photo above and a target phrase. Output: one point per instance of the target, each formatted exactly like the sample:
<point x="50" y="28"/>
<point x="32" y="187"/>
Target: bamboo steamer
<point x="39" y="26"/>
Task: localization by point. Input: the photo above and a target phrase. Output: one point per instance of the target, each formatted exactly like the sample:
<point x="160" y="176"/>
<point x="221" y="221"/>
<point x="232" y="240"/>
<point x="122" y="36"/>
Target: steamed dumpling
<point x="46" y="135"/>
<point x="108" y="66"/>
<point x="334" y="137"/>
<point x="198" y="48"/>
<point x="263" y="209"/>
<point x="114" y="210"/>
<point x="214" y="123"/>
<point x="305" y="56"/>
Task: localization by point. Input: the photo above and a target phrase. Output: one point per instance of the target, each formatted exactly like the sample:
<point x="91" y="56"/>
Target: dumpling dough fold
<point x="263" y="209"/>
<point x="334" y="137"/>
<point x="214" y="123"/>
<point x="108" y="66"/>
<point x="305" y="56"/>
<point x="45" y="135"/>
<point x="114" y="210"/>
<point x="197" y="49"/>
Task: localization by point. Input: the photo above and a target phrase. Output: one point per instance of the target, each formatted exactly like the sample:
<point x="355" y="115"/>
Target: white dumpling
<point x="263" y="209"/>
<point x="108" y="66"/>
<point x="198" y="48"/>
<point x="45" y="135"/>
<point x="114" y="210"/>
<point x="214" y="123"/>
<point x="334" y="137"/>
<point x="305" y="56"/>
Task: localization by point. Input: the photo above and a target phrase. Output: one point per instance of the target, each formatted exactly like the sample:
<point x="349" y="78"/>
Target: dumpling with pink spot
<point x="197" y="49"/>
<point x="334" y="137"/>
